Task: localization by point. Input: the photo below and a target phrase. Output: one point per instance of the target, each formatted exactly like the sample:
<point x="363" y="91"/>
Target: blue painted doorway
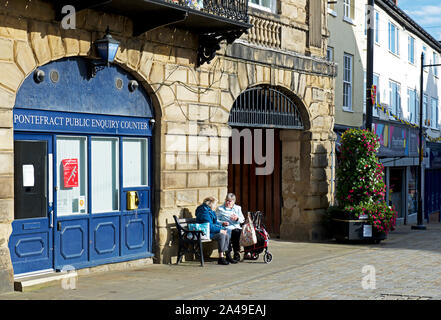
<point x="95" y="139"/>
<point x="31" y="242"/>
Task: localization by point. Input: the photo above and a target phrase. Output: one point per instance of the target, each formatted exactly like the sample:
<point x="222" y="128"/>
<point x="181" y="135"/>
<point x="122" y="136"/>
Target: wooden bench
<point x="189" y="241"/>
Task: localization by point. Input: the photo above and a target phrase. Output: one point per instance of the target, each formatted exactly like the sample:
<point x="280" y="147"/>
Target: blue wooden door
<point x="31" y="241"/>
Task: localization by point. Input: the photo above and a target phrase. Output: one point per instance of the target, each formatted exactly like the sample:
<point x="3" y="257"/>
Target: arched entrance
<point x="257" y="117"/>
<point x="82" y="163"/>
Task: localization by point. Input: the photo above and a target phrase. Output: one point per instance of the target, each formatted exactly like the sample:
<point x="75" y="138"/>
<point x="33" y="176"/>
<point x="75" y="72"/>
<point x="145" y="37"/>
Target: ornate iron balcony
<point x="231" y="9"/>
<point x="212" y="20"/>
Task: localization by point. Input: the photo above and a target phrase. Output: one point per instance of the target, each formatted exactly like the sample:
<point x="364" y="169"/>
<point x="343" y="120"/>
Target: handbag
<point x="204" y="227"/>
<point x="248" y="235"/>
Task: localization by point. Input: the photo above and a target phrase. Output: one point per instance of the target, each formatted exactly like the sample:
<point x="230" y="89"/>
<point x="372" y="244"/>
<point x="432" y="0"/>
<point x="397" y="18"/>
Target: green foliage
<point x="360" y="186"/>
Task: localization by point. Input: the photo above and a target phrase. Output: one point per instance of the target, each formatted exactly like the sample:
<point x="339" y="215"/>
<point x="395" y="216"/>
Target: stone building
<point x="190" y="74"/>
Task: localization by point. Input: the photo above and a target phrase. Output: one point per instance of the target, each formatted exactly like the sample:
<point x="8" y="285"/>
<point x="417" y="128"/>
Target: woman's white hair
<point x="231" y="196"/>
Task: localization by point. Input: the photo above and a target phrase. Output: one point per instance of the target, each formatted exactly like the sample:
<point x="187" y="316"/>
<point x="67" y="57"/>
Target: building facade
<point x="398" y="44"/>
<point x="96" y="160"/>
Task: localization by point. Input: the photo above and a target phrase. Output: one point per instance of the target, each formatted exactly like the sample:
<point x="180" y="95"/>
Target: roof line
<point x="401" y="15"/>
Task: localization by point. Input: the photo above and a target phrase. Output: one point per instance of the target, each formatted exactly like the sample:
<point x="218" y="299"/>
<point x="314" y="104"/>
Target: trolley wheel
<point x="268" y="257"/>
<point x="254" y="256"/>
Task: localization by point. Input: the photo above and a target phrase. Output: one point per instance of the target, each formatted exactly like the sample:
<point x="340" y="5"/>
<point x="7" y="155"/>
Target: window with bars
<point x="265" y="107"/>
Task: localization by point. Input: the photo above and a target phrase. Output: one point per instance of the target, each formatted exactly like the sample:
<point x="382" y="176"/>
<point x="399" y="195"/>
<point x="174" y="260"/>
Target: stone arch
<point x="305" y="155"/>
<point x="48" y="45"/>
<point x="291" y="83"/>
<point x="38" y="44"/>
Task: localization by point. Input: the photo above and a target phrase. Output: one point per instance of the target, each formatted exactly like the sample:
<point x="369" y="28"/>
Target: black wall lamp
<point x="107" y="48"/>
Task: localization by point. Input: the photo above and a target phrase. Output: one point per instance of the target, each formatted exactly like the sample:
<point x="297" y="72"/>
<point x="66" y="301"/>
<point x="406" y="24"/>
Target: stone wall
<point x="191" y="107"/>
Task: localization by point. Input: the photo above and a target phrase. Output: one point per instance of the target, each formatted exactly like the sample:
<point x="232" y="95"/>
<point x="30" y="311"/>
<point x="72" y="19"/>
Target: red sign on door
<point x="70" y="172"/>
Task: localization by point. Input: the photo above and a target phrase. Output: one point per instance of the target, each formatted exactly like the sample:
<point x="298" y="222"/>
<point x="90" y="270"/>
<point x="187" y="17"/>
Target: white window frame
<point x="331" y="9"/>
<point x="396" y="41"/>
<point x="262" y="7"/>
<point x="347" y="82"/>
<point x="434" y="117"/>
<point x="411" y="53"/>
<point x="377" y="27"/>
<point x="330" y="54"/>
<point x="347" y="9"/>
<point x="425" y="110"/>
<point x="117" y="175"/>
<point x="425" y="57"/>
<point x="395" y="107"/>
<point x="435" y="61"/>
<point x="83" y="170"/>
<point x="143" y="162"/>
<point x="414" y="110"/>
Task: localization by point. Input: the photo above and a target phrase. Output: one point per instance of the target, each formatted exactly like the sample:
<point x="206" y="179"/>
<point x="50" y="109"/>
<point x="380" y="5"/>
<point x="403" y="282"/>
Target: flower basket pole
<point x="361" y="212"/>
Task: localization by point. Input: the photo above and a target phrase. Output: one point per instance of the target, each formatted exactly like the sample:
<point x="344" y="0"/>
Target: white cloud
<point x="427" y="11"/>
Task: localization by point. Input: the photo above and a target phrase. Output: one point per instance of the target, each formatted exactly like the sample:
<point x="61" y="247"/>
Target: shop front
<point x="82" y="163"/>
<point x="432" y="194"/>
<point x="399" y="154"/>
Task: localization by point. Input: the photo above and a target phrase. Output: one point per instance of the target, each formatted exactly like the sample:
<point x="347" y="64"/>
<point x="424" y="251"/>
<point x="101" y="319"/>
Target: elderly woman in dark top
<point x="205" y="213"/>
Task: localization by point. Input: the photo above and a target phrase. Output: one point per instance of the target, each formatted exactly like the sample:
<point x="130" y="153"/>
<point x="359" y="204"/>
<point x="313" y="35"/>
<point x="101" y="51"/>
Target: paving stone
<point x="405" y="269"/>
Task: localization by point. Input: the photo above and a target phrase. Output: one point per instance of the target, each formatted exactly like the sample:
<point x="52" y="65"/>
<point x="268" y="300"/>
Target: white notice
<point x="367" y="231"/>
<point x="28" y="175"/>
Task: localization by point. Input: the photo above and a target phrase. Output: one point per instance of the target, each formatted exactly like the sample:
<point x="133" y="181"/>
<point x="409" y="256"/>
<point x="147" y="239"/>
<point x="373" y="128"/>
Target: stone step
<point x="26" y="284"/>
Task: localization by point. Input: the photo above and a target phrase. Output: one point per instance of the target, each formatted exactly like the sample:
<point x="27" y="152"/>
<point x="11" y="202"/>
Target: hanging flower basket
<point x="362" y="212"/>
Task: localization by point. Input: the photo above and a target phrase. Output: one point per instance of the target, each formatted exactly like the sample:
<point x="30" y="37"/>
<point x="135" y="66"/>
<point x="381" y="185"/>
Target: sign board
<point x="396" y="141"/>
<point x="28" y="175"/>
<point x="70" y="173"/>
<point x="55" y="121"/>
<point x="367" y="231"/>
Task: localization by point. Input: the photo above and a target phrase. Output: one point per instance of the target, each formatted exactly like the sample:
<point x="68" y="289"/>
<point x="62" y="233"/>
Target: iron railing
<point x="231" y="9"/>
<point x="265" y="107"/>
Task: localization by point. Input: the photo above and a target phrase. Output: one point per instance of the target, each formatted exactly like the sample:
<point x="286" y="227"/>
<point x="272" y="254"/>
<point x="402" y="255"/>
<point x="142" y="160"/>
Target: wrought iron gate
<point x="265" y="107"/>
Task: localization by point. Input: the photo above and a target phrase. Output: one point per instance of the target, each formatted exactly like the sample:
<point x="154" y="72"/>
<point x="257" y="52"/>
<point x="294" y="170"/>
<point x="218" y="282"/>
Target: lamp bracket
<point x="210" y="43"/>
<point x="95" y="66"/>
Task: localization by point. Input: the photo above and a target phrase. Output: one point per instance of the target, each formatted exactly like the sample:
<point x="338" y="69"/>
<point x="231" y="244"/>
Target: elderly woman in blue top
<point x="231" y="213"/>
<point x="205" y="213"/>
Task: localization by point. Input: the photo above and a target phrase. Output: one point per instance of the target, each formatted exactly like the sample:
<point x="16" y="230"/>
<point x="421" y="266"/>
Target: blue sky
<point x="427" y="13"/>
